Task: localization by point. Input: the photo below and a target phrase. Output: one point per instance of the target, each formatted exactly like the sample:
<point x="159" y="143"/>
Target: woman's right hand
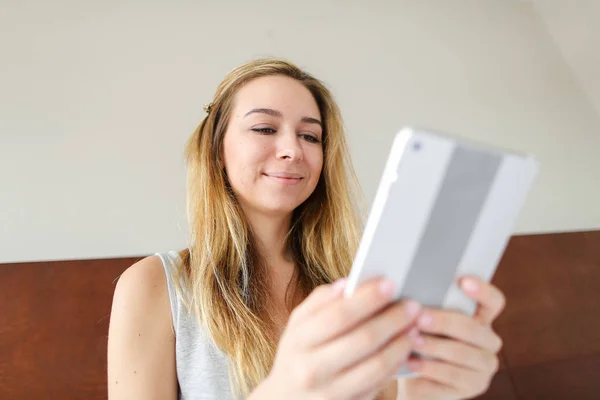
<point x="342" y="348"/>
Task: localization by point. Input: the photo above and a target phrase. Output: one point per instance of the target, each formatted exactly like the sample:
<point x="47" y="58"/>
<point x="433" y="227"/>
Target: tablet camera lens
<point x="416" y="146"/>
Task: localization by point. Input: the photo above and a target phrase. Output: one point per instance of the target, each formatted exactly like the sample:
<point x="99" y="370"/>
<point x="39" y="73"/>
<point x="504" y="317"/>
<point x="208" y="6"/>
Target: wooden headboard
<point x="55" y="315"/>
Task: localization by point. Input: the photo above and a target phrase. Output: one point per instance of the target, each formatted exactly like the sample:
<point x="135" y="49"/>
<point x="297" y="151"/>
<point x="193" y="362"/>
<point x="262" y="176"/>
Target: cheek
<point x="234" y="161"/>
<point x="243" y="161"/>
<point x="316" y="164"/>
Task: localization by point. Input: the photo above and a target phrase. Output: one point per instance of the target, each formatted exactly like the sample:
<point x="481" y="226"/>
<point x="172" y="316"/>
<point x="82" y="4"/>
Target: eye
<point x="310" y="138"/>
<point x="264" y="131"/>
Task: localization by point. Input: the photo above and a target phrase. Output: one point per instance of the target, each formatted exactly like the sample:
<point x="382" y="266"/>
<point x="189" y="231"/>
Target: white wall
<point x="575" y="28"/>
<point x="97" y="100"/>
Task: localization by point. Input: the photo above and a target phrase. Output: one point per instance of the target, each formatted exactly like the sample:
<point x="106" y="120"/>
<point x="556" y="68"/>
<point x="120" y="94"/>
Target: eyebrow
<point x="276" y="113"/>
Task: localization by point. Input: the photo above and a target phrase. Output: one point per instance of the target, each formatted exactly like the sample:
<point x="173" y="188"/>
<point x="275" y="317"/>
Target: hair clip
<point x="207" y="107"/>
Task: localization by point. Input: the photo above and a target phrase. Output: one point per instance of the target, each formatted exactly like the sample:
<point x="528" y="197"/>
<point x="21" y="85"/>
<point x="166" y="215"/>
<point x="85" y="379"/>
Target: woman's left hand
<point x="464" y="348"/>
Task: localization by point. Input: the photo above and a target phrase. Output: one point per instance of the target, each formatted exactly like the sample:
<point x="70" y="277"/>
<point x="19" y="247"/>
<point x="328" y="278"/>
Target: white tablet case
<point x="444" y="208"/>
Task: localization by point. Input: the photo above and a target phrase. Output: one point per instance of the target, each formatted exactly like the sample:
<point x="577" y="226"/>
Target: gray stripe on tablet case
<point x="468" y="180"/>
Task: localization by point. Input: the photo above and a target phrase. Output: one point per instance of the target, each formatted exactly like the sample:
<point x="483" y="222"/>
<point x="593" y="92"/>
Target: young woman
<point x="249" y="311"/>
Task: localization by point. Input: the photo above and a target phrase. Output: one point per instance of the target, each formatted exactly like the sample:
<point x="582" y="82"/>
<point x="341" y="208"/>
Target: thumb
<point x="318" y="298"/>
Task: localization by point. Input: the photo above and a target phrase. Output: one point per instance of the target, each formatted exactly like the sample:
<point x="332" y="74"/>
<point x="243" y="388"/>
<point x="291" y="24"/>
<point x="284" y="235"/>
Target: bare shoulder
<point x="141" y="291"/>
<point x="141" y="343"/>
<point x="146" y="276"/>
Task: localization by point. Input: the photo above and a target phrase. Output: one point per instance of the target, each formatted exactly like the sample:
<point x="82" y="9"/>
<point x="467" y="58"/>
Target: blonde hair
<point x="223" y="276"/>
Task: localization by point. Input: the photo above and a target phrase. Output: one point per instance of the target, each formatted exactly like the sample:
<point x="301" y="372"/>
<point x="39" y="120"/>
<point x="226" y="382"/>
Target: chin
<point x="278" y="208"/>
<point x="273" y="205"/>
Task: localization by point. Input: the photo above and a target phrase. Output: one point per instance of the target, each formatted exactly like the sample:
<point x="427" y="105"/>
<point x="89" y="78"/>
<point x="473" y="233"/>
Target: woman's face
<point x="272" y="149"/>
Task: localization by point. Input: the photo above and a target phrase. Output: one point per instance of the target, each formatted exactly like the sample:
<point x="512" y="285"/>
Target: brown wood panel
<point x="54" y="328"/>
<point x="552" y="285"/>
<point x="502" y="365"/>
<point x="55" y="316"/>
<point x="577" y="378"/>
<point x="501" y="388"/>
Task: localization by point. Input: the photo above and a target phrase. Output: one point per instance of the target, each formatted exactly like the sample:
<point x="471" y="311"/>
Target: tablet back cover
<point x="444" y="208"/>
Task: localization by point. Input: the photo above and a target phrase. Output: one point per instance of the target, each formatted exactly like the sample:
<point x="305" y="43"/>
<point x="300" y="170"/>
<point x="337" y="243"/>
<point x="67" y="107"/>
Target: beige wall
<point x="98" y="100"/>
<point x="575" y="28"/>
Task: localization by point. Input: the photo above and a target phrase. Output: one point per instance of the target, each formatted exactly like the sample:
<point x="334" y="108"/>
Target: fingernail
<point x="338" y="286"/>
<point x="386" y="288"/>
<point x="470" y="285"/>
<point x="414" y="364"/>
<point x="401" y="363"/>
<point x="425" y="320"/>
<point x="413" y="308"/>
<point x="413" y="333"/>
<point x="418" y="339"/>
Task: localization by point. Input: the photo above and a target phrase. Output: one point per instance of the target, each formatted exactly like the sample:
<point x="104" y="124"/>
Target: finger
<point x="367" y="338"/>
<point x="491" y="300"/>
<point x="373" y="372"/>
<point x="450" y="375"/>
<point x="461" y="327"/>
<point x="457" y="353"/>
<point x="369" y="395"/>
<point x="424" y="388"/>
<point x="388" y="391"/>
<point x="318" y="298"/>
<point x="342" y="314"/>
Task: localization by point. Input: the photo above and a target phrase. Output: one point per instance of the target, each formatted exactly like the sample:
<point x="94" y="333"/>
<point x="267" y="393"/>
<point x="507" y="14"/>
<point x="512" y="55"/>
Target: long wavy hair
<point x="223" y="278"/>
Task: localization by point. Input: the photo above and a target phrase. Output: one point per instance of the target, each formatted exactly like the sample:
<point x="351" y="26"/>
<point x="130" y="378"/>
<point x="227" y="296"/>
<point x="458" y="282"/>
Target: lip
<point x="284" y="178"/>
<point x="286" y="175"/>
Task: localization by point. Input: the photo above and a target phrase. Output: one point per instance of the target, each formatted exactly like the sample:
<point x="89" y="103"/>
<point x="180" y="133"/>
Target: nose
<point x="289" y="148"/>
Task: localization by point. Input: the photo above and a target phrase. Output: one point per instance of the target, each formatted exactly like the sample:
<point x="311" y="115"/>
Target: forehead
<point x="277" y="92"/>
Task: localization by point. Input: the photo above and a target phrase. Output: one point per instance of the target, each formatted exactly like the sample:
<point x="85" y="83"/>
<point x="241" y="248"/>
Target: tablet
<point x="445" y="207"/>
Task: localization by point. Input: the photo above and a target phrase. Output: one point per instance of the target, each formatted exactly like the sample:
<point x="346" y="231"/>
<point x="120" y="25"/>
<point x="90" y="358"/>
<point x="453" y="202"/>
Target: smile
<point x="286" y="180"/>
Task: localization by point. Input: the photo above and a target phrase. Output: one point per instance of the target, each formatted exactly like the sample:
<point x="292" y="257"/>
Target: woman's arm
<point x="141" y="343"/>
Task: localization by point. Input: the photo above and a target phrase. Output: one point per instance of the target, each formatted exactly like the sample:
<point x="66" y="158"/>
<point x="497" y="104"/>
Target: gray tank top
<point x="201" y="367"/>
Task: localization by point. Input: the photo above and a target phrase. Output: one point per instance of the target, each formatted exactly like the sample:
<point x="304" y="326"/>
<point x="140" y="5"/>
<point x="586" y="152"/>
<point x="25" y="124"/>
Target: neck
<point x="269" y="232"/>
